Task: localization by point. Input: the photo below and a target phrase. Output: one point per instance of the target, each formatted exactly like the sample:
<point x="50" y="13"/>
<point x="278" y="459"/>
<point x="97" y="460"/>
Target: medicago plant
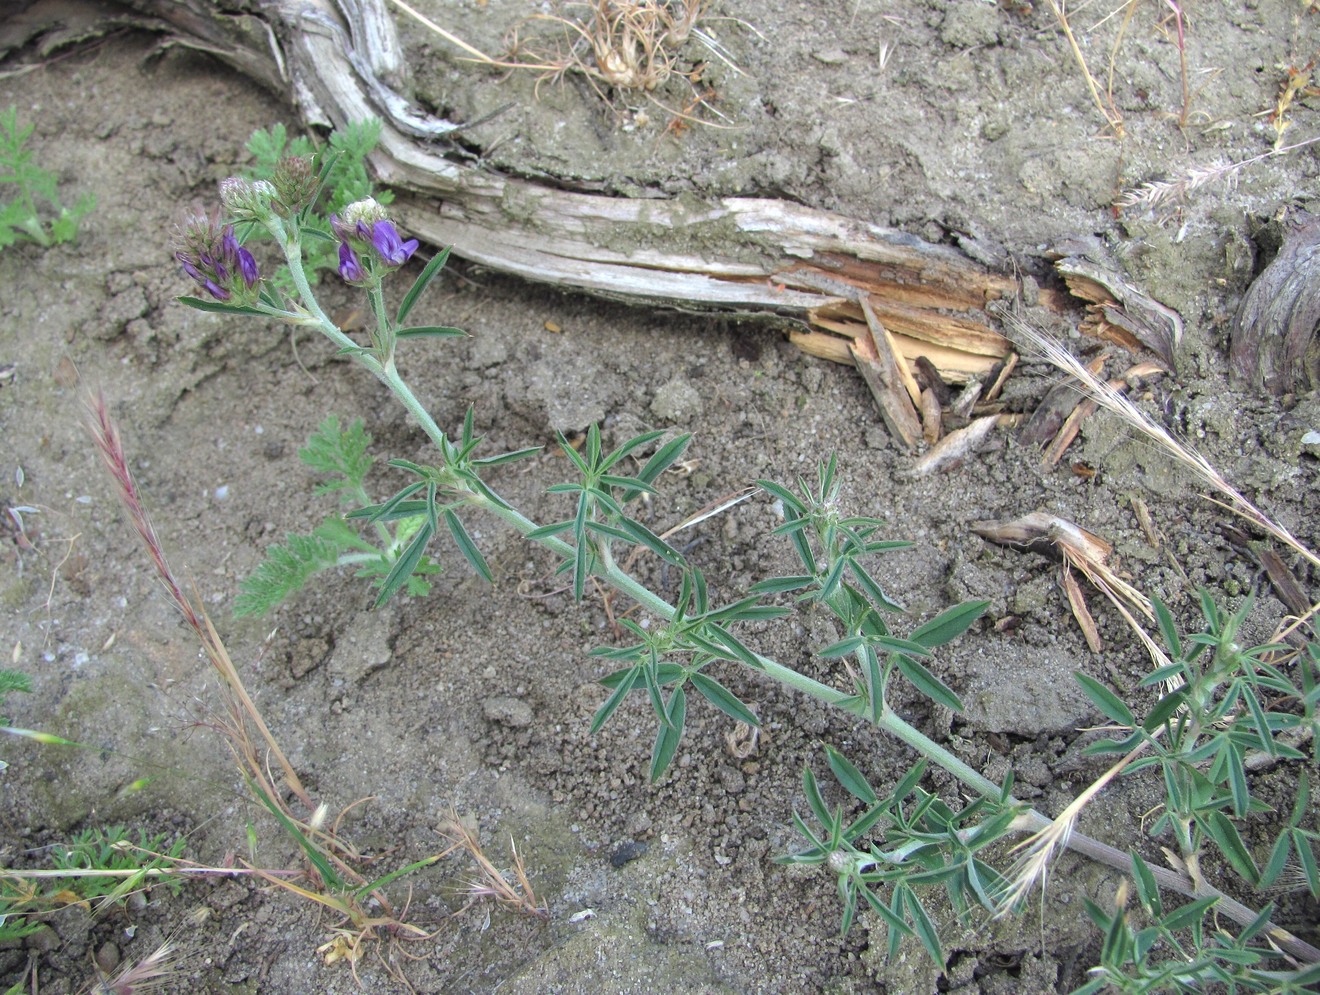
<point x="887" y="851"/>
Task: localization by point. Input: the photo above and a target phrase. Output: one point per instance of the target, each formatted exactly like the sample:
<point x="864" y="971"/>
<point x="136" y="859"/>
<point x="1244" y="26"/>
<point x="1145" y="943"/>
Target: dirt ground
<point x="954" y="120"/>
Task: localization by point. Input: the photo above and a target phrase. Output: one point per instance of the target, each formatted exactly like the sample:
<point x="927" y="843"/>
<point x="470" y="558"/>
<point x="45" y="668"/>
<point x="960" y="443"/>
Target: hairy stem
<point x="887" y="720"/>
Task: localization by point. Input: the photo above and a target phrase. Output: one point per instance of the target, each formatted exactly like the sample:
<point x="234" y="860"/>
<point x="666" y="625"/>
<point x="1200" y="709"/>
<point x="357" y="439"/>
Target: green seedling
<point x="341" y="455"/>
<point x="30" y="206"/>
<point x="99" y="867"/>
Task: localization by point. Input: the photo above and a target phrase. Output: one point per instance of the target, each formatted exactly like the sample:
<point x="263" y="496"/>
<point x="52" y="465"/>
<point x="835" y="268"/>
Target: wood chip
<point x="1077" y="601"/>
<point x="955" y="446"/>
<point x="930" y="416"/>
<point x="888" y="377"/>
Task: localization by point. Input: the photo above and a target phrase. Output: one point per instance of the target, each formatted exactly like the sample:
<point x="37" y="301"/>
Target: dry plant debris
<point x="511" y="887"/>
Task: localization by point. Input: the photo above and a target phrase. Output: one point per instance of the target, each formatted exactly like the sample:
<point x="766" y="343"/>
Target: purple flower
<point x="369" y="244"/>
<point x="239" y="258"/>
<point x="350" y="267"/>
<point x="211" y="256"/>
<point x="392" y="249"/>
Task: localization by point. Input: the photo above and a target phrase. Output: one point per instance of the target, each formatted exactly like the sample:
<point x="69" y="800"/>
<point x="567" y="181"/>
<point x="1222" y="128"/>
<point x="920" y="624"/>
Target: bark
<point x="1274" y="345"/>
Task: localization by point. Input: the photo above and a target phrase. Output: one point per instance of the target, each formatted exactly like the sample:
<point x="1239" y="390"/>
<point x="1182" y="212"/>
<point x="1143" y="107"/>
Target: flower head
<point x="212" y="256"/>
<point x="369" y="244"/>
<point x="247" y="200"/>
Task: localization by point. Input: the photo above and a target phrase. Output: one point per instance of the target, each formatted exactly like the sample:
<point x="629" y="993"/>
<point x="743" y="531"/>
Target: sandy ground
<point x="952" y="120"/>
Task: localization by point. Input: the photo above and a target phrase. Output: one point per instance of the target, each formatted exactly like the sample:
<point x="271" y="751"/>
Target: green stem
<point x="888" y="720"/>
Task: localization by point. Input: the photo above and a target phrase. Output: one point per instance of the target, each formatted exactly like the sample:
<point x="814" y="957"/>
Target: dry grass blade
<point x="241" y="709"/>
<point x="512" y="887"/>
<point x="1105" y="104"/>
<point x="1175" y="191"/>
<point x="1118" y="403"/>
<point x="147" y="975"/>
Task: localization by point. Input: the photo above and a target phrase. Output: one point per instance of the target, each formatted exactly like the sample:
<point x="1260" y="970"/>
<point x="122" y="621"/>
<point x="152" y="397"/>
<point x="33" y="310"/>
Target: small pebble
<point x="627" y="852"/>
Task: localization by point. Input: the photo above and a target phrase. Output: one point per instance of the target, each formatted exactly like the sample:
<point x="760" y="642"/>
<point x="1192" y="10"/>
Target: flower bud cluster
<point x="369" y="244"/>
<point x="247" y="200"/>
<point x="296" y="184"/>
<point x="211" y="255"/>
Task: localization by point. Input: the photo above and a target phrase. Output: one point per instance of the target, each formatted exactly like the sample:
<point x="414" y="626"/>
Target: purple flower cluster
<point x="212" y="256"/>
<point x="368" y="242"/>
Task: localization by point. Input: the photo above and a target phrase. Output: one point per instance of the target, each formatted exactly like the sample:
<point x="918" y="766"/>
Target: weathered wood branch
<point x="339" y="61"/>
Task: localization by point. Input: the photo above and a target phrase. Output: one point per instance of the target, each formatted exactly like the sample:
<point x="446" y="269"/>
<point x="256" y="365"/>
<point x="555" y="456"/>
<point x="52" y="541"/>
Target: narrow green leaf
<point x="581" y="549"/>
<point x="667" y="739"/>
<point x="787" y="497"/>
<point x="844" y="647"/>
<point x="734" y="648"/>
<point x="420" y="284"/>
<point x="875" y="684"/>
<point x="949" y="624"/>
<point x="430" y="331"/>
<point x="1167" y="629"/>
<point x="1222" y="830"/>
<point x="1237" y="780"/>
<point x="1110" y="704"/>
<point x="1148" y="892"/>
<point x="546" y="531"/>
<point x="1162" y="674"/>
<point x="663" y="458"/>
<point x="641" y="534"/>
<point x="665" y="673"/>
<point x="616" y="699"/>
<point x="219" y="307"/>
<point x="724" y="699"/>
<point x="814" y="798"/>
<point x="849" y="776"/>
<point x="928" y="684"/>
<point x="632" y="444"/>
<point x="872" y="588"/>
<point x="1261" y="722"/>
<point x="513" y="457"/>
<point x="328" y="875"/>
<point x="829" y="586"/>
<point x="848" y="896"/>
<point x="1302" y="803"/>
<point x="1306" y="857"/>
<point x="893" y="644"/>
<point x="779" y="585"/>
<point x="467" y="547"/>
<point x="1189" y="915"/>
<point x="1164" y="709"/>
<point x="406" y="564"/>
<point x="1278" y="860"/>
<point x="896" y="925"/>
<point x="923" y="927"/>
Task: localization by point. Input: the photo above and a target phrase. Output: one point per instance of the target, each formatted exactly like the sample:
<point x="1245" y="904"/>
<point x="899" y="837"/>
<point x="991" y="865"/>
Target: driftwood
<point x="339" y="61"/>
<point x="1274" y="344"/>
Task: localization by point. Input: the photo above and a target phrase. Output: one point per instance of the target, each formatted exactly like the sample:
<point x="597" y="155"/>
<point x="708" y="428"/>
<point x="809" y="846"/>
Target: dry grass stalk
<point x="510" y="887"/>
<point x="357" y="928"/>
<point x="1118" y="403"/>
<point x="150" y="974"/>
<point x="242" y="712"/>
<point x="1176" y="191"/>
<point x="1103" y="102"/>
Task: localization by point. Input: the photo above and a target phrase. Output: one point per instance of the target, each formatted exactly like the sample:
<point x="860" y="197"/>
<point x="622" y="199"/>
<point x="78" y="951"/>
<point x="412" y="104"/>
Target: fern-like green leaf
<point x="14" y="680"/>
<point x="288" y="566"/>
<point x="269" y="147"/>
<point x="340" y="454"/>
